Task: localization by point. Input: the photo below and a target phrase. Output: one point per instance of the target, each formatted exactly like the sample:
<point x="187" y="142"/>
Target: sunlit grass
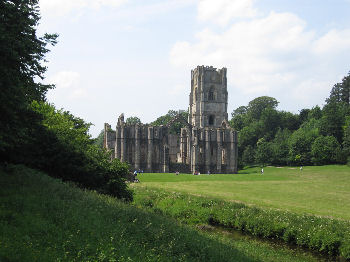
<point x="323" y="191"/>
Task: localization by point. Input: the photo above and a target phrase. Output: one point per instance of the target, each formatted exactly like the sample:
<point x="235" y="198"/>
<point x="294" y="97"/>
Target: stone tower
<point x="206" y="143"/>
<point x="208" y="97"/>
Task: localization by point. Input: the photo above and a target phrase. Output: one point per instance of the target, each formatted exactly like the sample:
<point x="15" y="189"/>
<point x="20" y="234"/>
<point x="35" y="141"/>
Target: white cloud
<point x="64" y="7"/>
<point x="67" y="85"/>
<point x="222" y="11"/>
<point x="335" y="41"/>
<point x="64" y="79"/>
<point x="275" y="54"/>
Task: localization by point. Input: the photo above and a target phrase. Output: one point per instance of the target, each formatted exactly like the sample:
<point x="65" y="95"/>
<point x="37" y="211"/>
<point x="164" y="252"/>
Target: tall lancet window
<point x="211" y="94"/>
<point x="211" y="120"/>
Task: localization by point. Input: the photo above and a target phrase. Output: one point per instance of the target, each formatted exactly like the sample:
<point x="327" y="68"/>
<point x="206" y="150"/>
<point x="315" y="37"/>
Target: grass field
<point x="43" y="219"/>
<point x="323" y="191"/>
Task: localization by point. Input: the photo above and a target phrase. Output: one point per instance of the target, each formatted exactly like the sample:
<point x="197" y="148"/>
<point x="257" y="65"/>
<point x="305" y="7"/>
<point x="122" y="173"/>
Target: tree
<point x="248" y="156"/>
<point x="341" y="91"/>
<point x="271" y="120"/>
<point x="21" y="56"/>
<point x="259" y="104"/>
<point x="176" y="120"/>
<point x="280" y="147"/>
<point x="238" y="116"/>
<point x="324" y="150"/>
<point x="301" y="141"/>
<point x="263" y="153"/>
<point x="346" y="140"/>
<point x="333" y="120"/>
<point x="315" y="113"/>
<point x="133" y="120"/>
<point x="65" y="150"/>
<point x="98" y="141"/>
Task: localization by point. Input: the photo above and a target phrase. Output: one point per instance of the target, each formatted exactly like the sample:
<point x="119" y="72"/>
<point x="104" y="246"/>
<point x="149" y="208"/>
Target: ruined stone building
<point x="206" y="143"/>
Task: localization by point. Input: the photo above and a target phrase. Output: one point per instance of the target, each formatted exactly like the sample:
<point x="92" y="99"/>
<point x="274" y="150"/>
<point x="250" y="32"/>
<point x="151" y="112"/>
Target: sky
<point x="135" y="56"/>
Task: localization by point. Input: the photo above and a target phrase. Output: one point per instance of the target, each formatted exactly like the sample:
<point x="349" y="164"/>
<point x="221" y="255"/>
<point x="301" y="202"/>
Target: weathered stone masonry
<point x="206" y="144"/>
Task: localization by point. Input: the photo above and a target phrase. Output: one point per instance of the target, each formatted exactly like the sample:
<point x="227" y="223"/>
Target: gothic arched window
<point x="211" y="94"/>
<point x="211" y="120"/>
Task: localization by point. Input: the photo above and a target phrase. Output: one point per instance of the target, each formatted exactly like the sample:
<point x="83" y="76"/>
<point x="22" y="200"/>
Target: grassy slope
<point x="42" y="219"/>
<point x="321" y="191"/>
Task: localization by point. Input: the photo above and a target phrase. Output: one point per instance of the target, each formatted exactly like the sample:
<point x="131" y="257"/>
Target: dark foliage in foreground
<point x="34" y="133"/>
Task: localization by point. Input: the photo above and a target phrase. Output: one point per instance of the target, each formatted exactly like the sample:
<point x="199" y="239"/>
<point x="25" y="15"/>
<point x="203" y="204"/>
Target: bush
<point x="62" y="147"/>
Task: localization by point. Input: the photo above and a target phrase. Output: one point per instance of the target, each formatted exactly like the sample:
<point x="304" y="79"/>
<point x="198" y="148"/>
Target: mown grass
<point x="43" y="219"/>
<point x="323" y="191"/>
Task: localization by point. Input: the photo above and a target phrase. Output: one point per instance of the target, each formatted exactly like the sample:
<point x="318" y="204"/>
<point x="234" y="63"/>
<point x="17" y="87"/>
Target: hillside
<point x="43" y="219"/>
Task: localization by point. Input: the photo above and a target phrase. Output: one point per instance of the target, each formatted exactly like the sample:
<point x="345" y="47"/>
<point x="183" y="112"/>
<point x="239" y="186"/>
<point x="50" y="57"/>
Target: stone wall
<point x="206" y="144"/>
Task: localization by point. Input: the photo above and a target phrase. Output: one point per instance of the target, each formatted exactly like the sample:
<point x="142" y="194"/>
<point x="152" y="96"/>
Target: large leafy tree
<point x="325" y="150"/>
<point x="341" y="91"/>
<point x="176" y="119"/>
<point x="257" y="106"/>
<point x="22" y="54"/>
<point x="133" y="120"/>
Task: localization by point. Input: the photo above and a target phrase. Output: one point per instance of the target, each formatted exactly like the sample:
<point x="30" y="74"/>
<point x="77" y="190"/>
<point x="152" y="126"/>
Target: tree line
<point x="32" y="131"/>
<point x="315" y="136"/>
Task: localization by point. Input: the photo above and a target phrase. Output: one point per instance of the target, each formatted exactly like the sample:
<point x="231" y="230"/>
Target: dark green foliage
<point x="263" y="153"/>
<point x="280" y="147"/>
<point x="65" y="150"/>
<point x="325" y="235"/>
<point x="42" y="219"/>
<point x="248" y="156"/>
<point x="315" y="113"/>
<point x="324" y="150"/>
<point x="341" y="91"/>
<point x="34" y="133"/>
<point x="21" y="57"/>
<point x="333" y="119"/>
<point x="260" y="120"/>
<point x="257" y="106"/>
<point x="133" y="120"/>
<point x="99" y="139"/>
<point x="300" y="143"/>
<point x="176" y="120"/>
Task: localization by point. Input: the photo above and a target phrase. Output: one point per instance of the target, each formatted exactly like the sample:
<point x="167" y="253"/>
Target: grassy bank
<point x="42" y="219"/>
<point x="323" y="191"/>
<point x="325" y="235"/>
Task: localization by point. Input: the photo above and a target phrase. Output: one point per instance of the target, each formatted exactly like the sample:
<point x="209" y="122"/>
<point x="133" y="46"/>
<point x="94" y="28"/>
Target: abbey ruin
<point x="206" y="142"/>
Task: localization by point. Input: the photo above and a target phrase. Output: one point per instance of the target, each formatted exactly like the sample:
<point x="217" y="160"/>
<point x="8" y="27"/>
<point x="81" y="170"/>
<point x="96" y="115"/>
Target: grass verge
<point x="325" y="235"/>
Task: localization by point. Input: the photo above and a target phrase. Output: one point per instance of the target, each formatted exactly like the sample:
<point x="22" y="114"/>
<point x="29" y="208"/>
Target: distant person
<point x="208" y="172"/>
<point x="135" y="177"/>
<point x="199" y="173"/>
<point x="301" y="168"/>
<point x="262" y="171"/>
<point x="177" y="173"/>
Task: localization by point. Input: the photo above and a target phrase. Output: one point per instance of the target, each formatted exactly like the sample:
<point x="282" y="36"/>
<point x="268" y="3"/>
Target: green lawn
<point x="321" y="190"/>
<point x="43" y="219"/>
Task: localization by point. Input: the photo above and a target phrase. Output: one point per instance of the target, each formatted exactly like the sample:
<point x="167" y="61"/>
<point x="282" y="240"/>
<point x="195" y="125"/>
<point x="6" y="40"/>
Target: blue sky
<point x="135" y="57"/>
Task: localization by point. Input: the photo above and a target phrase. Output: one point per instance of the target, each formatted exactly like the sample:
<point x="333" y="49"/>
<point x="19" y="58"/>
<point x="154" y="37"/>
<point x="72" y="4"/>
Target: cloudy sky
<point x="135" y="56"/>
